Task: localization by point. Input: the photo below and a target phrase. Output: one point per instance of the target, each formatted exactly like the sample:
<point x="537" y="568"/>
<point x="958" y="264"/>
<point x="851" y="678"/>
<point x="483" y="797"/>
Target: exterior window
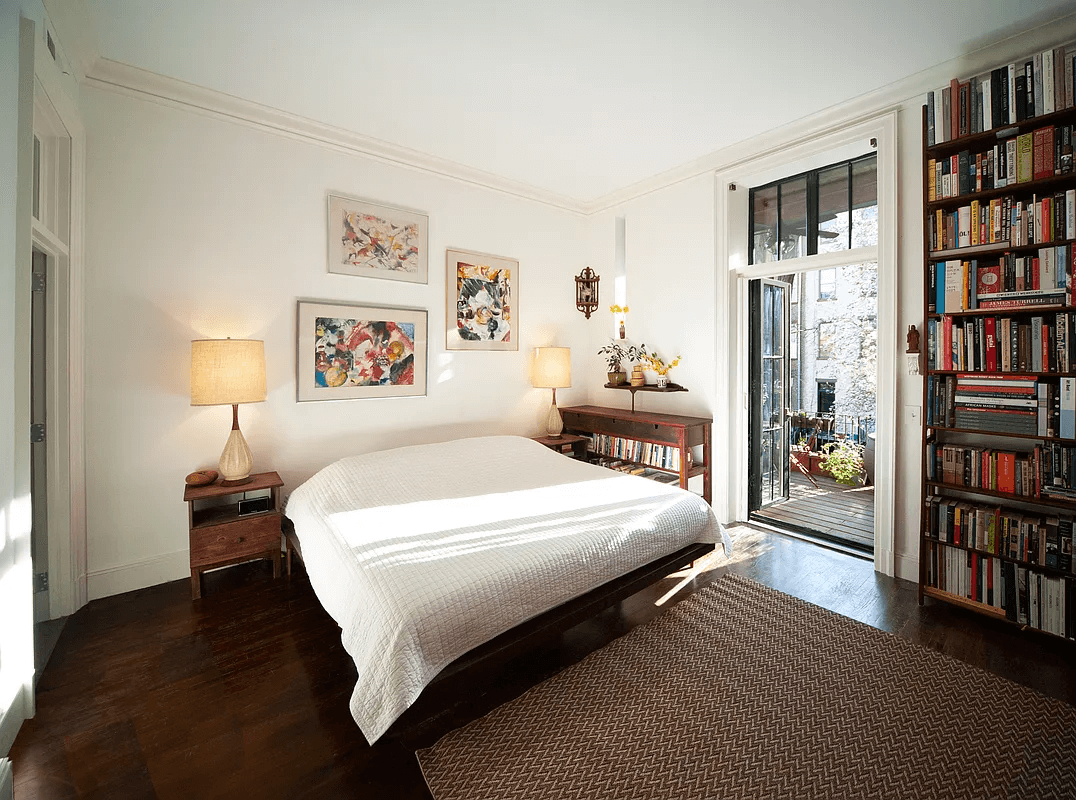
<point x="827" y="284"/>
<point x="821" y="211"/>
<point x="826" y="335"/>
<point x="827" y="390"/>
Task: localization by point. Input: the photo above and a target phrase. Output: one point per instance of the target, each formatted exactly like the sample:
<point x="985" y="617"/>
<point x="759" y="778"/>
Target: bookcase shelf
<point x="1034" y="216"/>
<point x="978" y="432"/>
<point x="1009" y="498"/>
<point x="1028" y="187"/>
<point x="964" y="602"/>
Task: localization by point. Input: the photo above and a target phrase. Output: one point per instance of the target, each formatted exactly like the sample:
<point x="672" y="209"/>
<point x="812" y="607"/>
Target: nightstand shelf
<point x="219" y="536"/>
<point x="567" y="443"/>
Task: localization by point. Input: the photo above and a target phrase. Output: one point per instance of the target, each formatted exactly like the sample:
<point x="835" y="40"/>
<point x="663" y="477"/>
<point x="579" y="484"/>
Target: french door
<point x="769" y="376"/>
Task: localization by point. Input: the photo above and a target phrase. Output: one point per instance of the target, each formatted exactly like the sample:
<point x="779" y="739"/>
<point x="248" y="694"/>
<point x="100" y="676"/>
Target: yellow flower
<point x="659" y="366"/>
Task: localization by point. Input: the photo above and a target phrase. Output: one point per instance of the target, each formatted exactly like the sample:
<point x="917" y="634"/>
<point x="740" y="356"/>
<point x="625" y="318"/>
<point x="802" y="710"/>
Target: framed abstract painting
<point x="482" y="310"/>
<point x="348" y="351"/>
<point x="377" y="241"/>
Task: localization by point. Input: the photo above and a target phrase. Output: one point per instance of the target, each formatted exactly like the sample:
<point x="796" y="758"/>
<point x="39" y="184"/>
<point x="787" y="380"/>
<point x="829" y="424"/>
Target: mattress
<point x="423" y="553"/>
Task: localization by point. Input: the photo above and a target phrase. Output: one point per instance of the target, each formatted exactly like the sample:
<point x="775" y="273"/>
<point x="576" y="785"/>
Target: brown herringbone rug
<point x="743" y="692"/>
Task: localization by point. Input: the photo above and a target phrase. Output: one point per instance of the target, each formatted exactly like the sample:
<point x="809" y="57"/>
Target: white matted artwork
<point x="377" y="241"/>
<point x="482" y="294"/>
<point x="348" y="351"/>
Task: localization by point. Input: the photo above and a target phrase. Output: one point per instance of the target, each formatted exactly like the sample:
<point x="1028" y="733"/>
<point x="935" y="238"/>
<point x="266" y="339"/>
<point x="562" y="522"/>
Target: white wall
<point x="16" y="613"/>
<point x="673" y="235"/>
<point x="199" y="227"/>
<point x="669" y="264"/>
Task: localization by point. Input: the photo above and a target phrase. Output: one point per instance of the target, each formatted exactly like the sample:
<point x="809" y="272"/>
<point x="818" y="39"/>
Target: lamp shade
<point x="552" y="367"/>
<point x="227" y="371"/>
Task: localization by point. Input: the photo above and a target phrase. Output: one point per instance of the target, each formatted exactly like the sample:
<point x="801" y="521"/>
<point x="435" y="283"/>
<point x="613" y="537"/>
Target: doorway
<point x="813" y="401"/>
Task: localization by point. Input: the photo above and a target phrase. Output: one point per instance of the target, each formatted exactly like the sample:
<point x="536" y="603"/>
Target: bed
<point x="423" y="554"/>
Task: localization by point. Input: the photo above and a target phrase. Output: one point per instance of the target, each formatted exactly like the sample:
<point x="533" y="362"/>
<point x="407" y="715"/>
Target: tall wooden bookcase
<point x="999" y="478"/>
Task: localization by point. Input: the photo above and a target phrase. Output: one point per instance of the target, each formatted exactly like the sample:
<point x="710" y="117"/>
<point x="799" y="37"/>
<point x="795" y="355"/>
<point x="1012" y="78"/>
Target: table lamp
<point x="553" y="370"/>
<point x="229" y="372"/>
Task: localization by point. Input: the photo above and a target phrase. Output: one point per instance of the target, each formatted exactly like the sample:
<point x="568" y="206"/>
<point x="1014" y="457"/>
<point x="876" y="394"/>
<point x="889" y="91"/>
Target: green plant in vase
<point x="617" y="357"/>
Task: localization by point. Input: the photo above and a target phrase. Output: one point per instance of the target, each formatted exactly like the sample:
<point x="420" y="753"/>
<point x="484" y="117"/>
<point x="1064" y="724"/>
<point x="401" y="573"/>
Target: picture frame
<point x="351" y="351"/>
<point x="375" y="240"/>
<point x="481" y="301"/>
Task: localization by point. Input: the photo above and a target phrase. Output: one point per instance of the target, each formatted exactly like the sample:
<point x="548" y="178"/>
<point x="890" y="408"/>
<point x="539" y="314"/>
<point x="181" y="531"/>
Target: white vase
<point x="663" y="381"/>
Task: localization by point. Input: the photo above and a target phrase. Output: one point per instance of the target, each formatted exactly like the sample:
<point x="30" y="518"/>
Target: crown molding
<point x="114" y="76"/>
<point x="1053" y="33"/>
<point x="132" y="81"/>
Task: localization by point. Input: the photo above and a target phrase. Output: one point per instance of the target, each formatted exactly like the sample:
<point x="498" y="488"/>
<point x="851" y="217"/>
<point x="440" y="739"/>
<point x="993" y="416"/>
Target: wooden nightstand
<point x="219" y="536"/>
<point x="567" y="443"/>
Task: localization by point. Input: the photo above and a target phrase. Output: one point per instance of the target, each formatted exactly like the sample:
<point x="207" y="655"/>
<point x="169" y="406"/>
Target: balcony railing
<point x="821" y="429"/>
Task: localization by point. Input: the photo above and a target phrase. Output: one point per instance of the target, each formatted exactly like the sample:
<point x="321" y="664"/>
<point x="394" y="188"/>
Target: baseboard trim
<point x="908" y="567"/>
<point x="138" y="575"/>
<point x="11" y="720"/>
<point x="7" y="780"/>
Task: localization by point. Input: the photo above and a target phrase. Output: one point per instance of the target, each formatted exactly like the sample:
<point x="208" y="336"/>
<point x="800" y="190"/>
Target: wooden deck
<point x="832" y="510"/>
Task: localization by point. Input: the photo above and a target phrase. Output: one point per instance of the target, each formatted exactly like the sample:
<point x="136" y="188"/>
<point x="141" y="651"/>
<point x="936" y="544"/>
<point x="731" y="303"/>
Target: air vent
<point x="50" y="43"/>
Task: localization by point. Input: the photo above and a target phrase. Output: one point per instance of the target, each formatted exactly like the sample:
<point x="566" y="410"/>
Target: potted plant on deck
<point x="843" y="461"/>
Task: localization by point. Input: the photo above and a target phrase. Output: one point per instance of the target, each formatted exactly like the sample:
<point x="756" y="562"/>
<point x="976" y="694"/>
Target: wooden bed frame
<point x="442" y="695"/>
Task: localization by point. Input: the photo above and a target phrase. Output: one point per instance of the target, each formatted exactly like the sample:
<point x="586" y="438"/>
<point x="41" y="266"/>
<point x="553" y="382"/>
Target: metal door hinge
<point x="37" y="282"/>
<point x="41" y="582"/>
<point x="37" y="432"/>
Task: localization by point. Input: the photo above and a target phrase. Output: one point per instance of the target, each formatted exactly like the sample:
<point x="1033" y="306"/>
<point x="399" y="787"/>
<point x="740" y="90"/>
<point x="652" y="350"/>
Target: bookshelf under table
<point x="669" y="430"/>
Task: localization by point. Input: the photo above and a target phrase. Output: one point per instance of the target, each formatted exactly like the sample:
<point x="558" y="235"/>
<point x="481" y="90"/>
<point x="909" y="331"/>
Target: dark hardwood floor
<point x="245" y="692"/>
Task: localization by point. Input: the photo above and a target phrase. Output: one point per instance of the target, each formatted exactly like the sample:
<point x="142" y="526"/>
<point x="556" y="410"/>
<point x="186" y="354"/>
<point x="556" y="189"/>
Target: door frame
<point x="756" y="423"/>
<point x="66" y="474"/>
<point x="731" y="210"/>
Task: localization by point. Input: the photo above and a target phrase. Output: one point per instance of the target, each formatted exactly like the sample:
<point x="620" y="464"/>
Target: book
<point x="988" y="280"/>
<point x="953" y="299"/>
<point x="1024" y="157"/>
<point x="1068" y="408"/>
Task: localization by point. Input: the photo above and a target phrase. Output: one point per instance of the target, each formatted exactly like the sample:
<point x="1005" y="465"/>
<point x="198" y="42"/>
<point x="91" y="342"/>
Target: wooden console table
<point x="672" y="430"/>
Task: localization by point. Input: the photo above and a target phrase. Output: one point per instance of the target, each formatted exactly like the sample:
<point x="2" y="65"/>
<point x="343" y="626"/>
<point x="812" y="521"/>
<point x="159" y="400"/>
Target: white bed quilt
<point x="423" y="553"/>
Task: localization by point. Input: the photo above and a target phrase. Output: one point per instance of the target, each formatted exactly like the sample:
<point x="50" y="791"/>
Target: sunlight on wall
<point x="445" y="373"/>
<point x="620" y="273"/>
<point x="16" y="619"/>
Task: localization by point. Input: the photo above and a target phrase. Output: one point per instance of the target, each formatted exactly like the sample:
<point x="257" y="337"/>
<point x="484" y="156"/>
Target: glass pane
<point x="777" y="392"/>
<point x="825" y="339"/>
<point x="767" y="398"/>
<point x="865" y="202"/>
<point x="764" y="211"/>
<point x="767" y="317"/>
<point x="793" y="227"/>
<point x="776" y="293"/>
<point x="827" y="284"/>
<point x="767" y="469"/>
<point x="833" y="217"/>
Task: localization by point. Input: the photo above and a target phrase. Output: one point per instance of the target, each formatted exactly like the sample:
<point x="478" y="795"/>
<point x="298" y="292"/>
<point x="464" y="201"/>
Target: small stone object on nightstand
<point x="201" y="477"/>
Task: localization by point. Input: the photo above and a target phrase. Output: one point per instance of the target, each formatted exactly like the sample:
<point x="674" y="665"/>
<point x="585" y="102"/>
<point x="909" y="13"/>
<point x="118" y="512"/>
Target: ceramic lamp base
<point x="554" y="424"/>
<point x="236" y="460"/>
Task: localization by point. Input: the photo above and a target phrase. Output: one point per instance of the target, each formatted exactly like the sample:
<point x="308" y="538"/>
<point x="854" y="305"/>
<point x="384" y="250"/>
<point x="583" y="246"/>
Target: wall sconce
<point x="586" y="291"/>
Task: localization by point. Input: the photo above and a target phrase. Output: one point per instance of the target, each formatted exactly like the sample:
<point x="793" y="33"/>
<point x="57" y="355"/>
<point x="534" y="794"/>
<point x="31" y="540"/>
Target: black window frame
<point x="831" y="385"/>
<point x="812" y="205"/>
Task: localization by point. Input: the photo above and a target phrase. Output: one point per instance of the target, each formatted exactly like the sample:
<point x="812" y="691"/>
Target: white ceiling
<point x="578" y="98"/>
